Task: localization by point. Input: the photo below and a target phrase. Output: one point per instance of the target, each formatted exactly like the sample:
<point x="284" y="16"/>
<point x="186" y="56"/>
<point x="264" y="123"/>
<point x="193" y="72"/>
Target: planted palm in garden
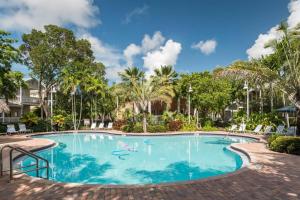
<point x="282" y="68"/>
<point x="145" y="90"/>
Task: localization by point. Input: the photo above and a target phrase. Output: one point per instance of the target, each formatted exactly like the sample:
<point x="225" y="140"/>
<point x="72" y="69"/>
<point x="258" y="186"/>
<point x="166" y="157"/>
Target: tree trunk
<point x="178" y="104"/>
<point x="144" y="122"/>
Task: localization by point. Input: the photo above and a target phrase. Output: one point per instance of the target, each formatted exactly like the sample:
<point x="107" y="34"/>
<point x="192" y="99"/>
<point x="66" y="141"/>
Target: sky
<point x="191" y="35"/>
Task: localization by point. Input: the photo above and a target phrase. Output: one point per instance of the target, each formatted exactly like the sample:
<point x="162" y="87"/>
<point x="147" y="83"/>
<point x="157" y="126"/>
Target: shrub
<point x="42" y="126"/>
<point x="272" y="137"/>
<point x="209" y="128"/>
<point x="2" y="128"/>
<point x="156" y="129"/>
<point x="117" y="125"/>
<point x="127" y="127"/>
<point x="189" y="127"/>
<point x="58" y="120"/>
<point x="30" y="119"/>
<point x="138" y="128"/>
<point x="286" y="144"/>
<point x="175" y="125"/>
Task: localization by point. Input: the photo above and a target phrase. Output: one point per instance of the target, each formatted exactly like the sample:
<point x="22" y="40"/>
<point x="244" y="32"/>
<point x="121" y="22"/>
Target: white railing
<point x="10" y="119"/>
<point x="30" y="100"/>
<point x="25" y="100"/>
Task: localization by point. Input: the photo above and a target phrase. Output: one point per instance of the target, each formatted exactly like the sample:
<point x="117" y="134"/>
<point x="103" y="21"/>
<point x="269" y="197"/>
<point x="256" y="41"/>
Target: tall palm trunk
<point x="144" y="121"/>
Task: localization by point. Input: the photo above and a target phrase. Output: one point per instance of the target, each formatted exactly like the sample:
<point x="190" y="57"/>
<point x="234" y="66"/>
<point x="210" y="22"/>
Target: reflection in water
<point x="173" y="172"/>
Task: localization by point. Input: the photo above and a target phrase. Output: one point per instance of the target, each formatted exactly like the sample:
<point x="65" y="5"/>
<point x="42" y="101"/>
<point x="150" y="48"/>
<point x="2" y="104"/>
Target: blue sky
<point x="175" y="29"/>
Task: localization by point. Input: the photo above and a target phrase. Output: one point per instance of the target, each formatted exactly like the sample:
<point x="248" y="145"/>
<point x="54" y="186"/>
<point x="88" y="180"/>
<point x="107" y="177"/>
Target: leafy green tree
<point x="46" y="53"/>
<point x="10" y="81"/>
<point x="210" y="94"/>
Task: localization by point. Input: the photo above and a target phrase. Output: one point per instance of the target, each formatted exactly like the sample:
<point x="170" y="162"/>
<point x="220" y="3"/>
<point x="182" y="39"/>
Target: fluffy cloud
<point x="294" y="18"/>
<point x="207" y="47"/>
<point x="106" y="54"/>
<point x="23" y="15"/>
<point x="136" y="12"/>
<point x="148" y="44"/>
<point x="258" y="49"/>
<point x="165" y="55"/>
<point x="130" y="51"/>
<point x="154" y="50"/>
<point x="153" y="43"/>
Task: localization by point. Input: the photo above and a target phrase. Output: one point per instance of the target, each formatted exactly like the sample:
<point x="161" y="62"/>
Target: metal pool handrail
<point x="25" y="152"/>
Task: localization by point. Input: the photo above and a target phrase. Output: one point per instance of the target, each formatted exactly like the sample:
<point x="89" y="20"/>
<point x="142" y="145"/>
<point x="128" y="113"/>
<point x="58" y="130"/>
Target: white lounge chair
<point x="232" y="128"/>
<point x="110" y="125"/>
<point x="268" y="130"/>
<point x="11" y="129"/>
<point x="257" y="129"/>
<point x="23" y="129"/>
<point x="101" y="125"/>
<point x="280" y="129"/>
<point x="93" y="126"/>
<point x="242" y="128"/>
<point x="291" y="131"/>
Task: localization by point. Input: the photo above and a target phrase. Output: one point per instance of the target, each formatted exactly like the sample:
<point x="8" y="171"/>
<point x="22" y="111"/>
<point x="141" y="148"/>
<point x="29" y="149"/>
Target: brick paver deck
<point x="270" y="175"/>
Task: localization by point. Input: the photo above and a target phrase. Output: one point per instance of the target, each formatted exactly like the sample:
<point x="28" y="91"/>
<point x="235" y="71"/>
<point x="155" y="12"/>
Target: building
<point x="26" y="100"/>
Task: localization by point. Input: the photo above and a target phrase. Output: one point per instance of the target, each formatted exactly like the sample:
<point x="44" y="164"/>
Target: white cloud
<point x="207" y="47"/>
<point x="294" y="9"/>
<point x="148" y="44"/>
<point x="154" y="50"/>
<point x="165" y="55"/>
<point x="136" y="12"/>
<point x="258" y="48"/>
<point x="130" y="51"/>
<point x="23" y="15"/>
<point x="106" y="54"/>
<point x="153" y="43"/>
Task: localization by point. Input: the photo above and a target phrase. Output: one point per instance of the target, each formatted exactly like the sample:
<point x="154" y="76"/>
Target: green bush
<point x="138" y="128"/>
<point x="42" y="126"/>
<point x="189" y="127"/>
<point x="156" y="129"/>
<point x="30" y="119"/>
<point x="127" y="127"/>
<point x="2" y="128"/>
<point x="272" y="137"/>
<point x="209" y="128"/>
<point x="286" y="144"/>
<point x="175" y="125"/>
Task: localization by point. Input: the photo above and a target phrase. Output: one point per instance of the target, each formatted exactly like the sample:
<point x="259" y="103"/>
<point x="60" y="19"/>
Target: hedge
<point x="286" y="144"/>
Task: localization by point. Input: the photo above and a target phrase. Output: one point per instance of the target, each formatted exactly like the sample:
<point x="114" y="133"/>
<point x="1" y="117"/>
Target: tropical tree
<point x="282" y="68"/>
<point x="165" y="74"/>
<point x="210" y="94"/>
<point x="145" y="90"/>
<point x="46" y="53"/>
<point x="9" y="81"/>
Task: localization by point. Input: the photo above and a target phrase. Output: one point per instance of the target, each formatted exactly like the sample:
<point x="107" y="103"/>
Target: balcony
<point x="25" y="100"/>
<point x="9" y="119"/>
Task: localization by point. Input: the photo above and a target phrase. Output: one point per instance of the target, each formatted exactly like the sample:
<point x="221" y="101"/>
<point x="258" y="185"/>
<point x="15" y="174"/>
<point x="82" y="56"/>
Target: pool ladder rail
<point x="12" y="171"/>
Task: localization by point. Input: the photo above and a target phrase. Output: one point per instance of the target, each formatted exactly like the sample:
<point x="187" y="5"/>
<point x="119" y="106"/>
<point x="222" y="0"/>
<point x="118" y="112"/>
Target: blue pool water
<point x="106" y="159"/>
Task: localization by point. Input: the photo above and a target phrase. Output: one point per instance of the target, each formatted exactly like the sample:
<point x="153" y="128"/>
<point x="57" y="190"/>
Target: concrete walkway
<point x="270" y="175"/>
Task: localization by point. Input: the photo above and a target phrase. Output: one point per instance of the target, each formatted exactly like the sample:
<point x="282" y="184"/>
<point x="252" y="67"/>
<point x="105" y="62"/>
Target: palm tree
<point x="146" y="90"/>
<point x="165" y="74"/>
<point x="282" y="68"/>
<point x="129" y="76"/>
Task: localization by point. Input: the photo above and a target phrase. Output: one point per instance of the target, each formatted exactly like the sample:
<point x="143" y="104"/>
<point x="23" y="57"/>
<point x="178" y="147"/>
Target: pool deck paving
<point x="269" y="175"/>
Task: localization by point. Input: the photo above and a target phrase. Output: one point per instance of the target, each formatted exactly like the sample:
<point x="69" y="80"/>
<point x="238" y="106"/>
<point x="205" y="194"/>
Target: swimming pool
<point x="98" y="158"/>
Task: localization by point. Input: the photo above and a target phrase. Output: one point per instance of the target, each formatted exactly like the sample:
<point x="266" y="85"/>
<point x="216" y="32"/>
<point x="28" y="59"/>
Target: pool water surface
<point x="98" y="158"/>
